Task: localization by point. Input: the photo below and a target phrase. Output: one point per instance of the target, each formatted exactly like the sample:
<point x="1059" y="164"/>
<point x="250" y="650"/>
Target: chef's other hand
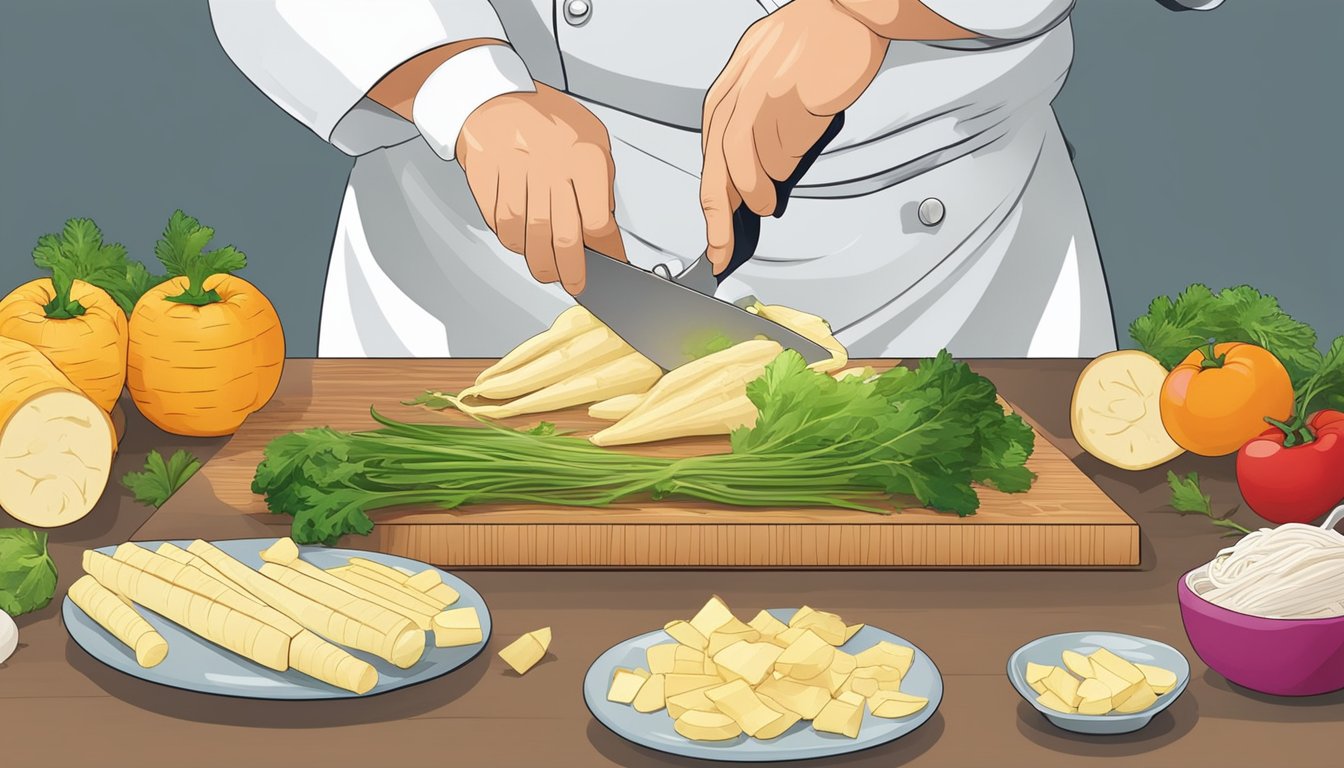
<point x="539" y="165"/>
<point x="791" y="72"/>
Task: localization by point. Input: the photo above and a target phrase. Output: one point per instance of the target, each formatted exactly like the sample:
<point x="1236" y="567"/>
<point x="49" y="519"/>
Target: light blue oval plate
<point x="654" y="729"/>
<point x="195" y="664"/>
<point x="1049" y="651"/>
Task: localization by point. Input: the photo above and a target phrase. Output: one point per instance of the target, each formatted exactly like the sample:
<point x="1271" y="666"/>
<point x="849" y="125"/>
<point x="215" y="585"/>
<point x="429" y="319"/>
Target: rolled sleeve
<point x="1003" y="19"/>
<point x="317" y="59"/>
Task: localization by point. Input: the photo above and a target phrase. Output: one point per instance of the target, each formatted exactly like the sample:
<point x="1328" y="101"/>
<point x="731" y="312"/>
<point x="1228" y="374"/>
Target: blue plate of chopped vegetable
<point x="195" y="664"/>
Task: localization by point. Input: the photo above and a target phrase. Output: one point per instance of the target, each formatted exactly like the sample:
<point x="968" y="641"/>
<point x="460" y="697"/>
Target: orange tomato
<point x="1213" y="406"/>
<point x="90" y="349"/>
<point x="200" y="370"/>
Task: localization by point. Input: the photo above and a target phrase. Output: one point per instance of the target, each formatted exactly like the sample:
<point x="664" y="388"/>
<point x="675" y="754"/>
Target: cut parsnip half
<point x="566" y="326"/>
<point x="119" y="619"/>
<point x="615" y="408"/>
<point x="56" y="445"/>
<point x="628" y="374"/>
<point x="1115" y="413"/>
<point x="812" y="328"/>
<point x="591" y="348"/>
<point x="703" y="397"/>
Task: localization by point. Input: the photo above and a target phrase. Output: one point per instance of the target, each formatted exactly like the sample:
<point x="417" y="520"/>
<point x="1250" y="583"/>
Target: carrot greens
<point x="182" y="252"/>
<point x="77" y="253"/>
<point x="921" y="435"/>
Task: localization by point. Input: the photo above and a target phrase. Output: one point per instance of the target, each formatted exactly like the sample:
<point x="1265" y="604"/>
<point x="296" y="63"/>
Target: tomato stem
<point x="1211" y="360"/>
<point x="1295" y="433"/>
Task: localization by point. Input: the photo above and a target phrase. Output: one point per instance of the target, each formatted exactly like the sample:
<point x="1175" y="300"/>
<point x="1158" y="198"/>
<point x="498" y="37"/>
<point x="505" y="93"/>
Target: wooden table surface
<point x="59" y="707"/>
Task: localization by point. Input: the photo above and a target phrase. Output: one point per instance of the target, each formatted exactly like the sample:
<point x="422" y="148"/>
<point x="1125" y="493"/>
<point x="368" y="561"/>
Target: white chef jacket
<point x="946" y="213"/>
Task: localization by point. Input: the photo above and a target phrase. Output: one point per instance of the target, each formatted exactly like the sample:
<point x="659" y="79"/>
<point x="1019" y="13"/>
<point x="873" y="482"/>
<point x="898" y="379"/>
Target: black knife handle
<point x="747" y="225"/>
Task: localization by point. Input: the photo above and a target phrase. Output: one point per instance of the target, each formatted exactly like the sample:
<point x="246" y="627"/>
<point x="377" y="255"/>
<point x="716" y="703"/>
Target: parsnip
<point x="177" y="554"/>
<point x="616" y="408"/>
<point x="703" y="397"/>
<point x="629" y="374"/>
<point x="351" y="622"/>
<point x="420" y="613"/>
<point x="245" y="635"/>
<point x="590" y="348"/>
<point x="811" y="327"/>
<point x="566" y="326"/>
<point x="56" y="444"/>
<point x="405" y="641"/>
<point x="119" y="619"/>
<point x="523" y="654"/>
<point x="406" y="598"/>
<point x="438" y="590"/>
<point x="308" y="653"/>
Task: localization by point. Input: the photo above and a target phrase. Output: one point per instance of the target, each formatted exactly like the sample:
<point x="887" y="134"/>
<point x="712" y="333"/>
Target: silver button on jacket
<point x="576" y="11"/>
<point x="931" y="212"/>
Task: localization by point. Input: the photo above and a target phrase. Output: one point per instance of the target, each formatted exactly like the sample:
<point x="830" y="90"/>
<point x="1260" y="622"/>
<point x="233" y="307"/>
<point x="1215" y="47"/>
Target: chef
<point x="495" y="139"/>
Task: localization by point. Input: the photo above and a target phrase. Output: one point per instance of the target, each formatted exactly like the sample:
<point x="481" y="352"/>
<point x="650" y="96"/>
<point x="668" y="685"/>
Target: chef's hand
<point x="791" y="73"/>
<point x="539" y="165"/>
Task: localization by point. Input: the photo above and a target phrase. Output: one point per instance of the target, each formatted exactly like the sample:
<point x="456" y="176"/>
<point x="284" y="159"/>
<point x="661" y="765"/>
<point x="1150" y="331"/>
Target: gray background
<point x="1206" y="143"/>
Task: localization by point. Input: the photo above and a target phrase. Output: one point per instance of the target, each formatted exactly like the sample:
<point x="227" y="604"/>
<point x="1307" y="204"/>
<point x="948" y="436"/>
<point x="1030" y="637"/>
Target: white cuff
<point x="459" y="86"/>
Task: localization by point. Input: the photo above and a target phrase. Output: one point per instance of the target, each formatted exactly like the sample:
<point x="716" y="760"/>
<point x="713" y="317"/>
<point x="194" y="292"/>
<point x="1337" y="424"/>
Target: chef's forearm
<point x="903" y="20"/>
<point x="398" y="88"/>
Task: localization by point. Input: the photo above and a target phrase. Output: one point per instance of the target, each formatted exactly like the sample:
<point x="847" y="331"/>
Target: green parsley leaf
<point x="160" y="479"/>
<point x="77" y="253"/>
<point x="27" y="573"/>
<point x="1188" y="498"/>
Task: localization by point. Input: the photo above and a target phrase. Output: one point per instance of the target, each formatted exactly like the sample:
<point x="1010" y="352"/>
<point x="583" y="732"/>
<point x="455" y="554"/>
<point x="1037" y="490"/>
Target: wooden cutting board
<point x="1065" y="520"/>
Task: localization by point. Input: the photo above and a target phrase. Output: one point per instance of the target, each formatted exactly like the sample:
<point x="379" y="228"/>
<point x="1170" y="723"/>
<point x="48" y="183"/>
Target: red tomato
<point x="1295" y="484"/>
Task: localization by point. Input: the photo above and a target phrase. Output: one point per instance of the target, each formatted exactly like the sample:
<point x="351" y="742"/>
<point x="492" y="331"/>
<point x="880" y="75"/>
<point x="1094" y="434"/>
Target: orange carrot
<point x="206" y="347"/>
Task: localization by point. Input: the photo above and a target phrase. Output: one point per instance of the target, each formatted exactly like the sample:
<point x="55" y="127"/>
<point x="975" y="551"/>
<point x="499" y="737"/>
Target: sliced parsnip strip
<point x="353" y="623"/>
<point x="191" y="608"/>
<point x="381" y="595"/>
<point x="440" y="591"/>
<point x="308" y="653"/>
<point x="113" y="614"/>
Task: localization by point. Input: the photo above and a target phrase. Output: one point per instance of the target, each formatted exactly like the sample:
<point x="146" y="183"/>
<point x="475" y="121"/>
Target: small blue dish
<point x="1049" y="651"/>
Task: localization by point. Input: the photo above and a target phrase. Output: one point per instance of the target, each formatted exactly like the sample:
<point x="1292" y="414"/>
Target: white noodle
<point x="1294" y="571"/>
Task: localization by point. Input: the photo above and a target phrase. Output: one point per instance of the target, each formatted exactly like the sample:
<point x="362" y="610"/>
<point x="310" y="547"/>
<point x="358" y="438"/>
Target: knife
<point x="674" y="320"/>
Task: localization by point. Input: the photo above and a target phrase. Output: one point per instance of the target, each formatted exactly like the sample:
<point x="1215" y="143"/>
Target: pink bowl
<point x="1282" y="657"/>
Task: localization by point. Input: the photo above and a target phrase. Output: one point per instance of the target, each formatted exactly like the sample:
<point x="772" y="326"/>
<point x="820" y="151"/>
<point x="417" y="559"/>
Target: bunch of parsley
<point x="1171" y="330"/>
<point x="910" y="436"/>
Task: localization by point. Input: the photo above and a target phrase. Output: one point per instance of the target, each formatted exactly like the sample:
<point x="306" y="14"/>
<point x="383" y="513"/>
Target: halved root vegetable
<point x="628" y="374"/>
<point x="704" y="397"/>
<point x="1115" y="413"/>
<point x="567" y="325"/>
<point x="244" y="635"/>
<point x="810" y="327"/>
<point x="308" y="653"/>
<point x="350" y="621"/>
<point x="585" y="351"/>
<point x="437" y="589"/>
<point x="119" y="619"/>
<point x="56" y="444"/>
<point x="615" y="408"/>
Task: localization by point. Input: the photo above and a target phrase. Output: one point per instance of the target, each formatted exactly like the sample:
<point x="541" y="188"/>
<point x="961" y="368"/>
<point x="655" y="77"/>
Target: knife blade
<point x="674" y="319"/>
<point x="670" y="323"/>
